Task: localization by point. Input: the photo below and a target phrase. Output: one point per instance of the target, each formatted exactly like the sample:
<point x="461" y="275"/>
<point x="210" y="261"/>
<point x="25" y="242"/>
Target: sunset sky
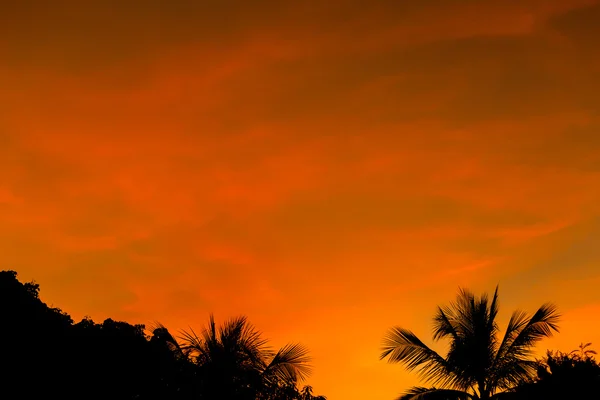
<point x="327" y="168"/>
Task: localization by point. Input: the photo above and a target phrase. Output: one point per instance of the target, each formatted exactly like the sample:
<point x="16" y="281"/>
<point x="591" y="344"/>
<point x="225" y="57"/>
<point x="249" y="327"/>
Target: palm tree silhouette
<point x="235" y="362"/>
<point x="479" y="364"/>
<point x="307" y="394"/>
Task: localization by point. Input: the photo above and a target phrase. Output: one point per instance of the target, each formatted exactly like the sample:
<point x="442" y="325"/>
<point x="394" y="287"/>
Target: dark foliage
<point x="481" y="363"/>
<point x="43" y="354"/>
<point x="574" y="375"/>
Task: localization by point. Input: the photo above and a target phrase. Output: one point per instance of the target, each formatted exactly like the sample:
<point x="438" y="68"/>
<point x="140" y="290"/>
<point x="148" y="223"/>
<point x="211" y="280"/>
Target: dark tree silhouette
<point x="479" y="364"/>
<point x="563" y="376"/>
<point x="115" y="359"/>
<point x="583" y="352"/>
<point x="307" y="394"/>
<point x="33" y="339"/>
<point x="43" y="354"/>
<point x="233" y="361"/>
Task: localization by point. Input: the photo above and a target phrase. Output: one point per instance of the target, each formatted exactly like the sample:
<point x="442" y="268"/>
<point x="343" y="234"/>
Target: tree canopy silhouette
<point x="43" y="354"/>
<point x="480" y="364"/>
<point x="574" y="375"/>
<point x="234" y="361"/>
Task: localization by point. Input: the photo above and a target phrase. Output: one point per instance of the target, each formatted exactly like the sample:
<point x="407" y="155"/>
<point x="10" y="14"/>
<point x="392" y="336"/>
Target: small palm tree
<point x="307" y="394"/>
<point x="235" y="362"/>
<point x="479" y="363"/>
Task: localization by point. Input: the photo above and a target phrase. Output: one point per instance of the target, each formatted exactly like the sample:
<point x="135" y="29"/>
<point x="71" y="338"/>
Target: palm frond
<point x="423" y="393"/>
<point x="193" y="345"/>
<point x="205" y="346"/>
<point x="291" y="363"/>
<point x="511" y="373"/>
<point x="463" y="310"/>
<point x="517" y="321"/>
<point x="493" y="328"/>
<point x="253" y="343"/>
<point x="512" y="363"/>
<point x="541" y="325"/>
<point x="493" y="313"/>
<point x="161" y="332"/>
<point x="469" y="322"/>
<point x="403" y="346"/>
<point x="444" y="325"/>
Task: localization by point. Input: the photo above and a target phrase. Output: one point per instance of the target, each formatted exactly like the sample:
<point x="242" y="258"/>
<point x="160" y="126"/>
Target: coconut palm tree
<point x="307" y="394"/>
<point x="235" y="362"/>
<point x="480" y="364"/>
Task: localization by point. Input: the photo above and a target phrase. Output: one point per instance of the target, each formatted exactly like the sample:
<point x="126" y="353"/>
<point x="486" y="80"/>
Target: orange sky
<point x="329" y="169"/>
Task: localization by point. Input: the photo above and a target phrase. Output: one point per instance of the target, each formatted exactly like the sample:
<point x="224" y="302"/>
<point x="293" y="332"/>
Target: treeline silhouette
<point x="44" y="354"/>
